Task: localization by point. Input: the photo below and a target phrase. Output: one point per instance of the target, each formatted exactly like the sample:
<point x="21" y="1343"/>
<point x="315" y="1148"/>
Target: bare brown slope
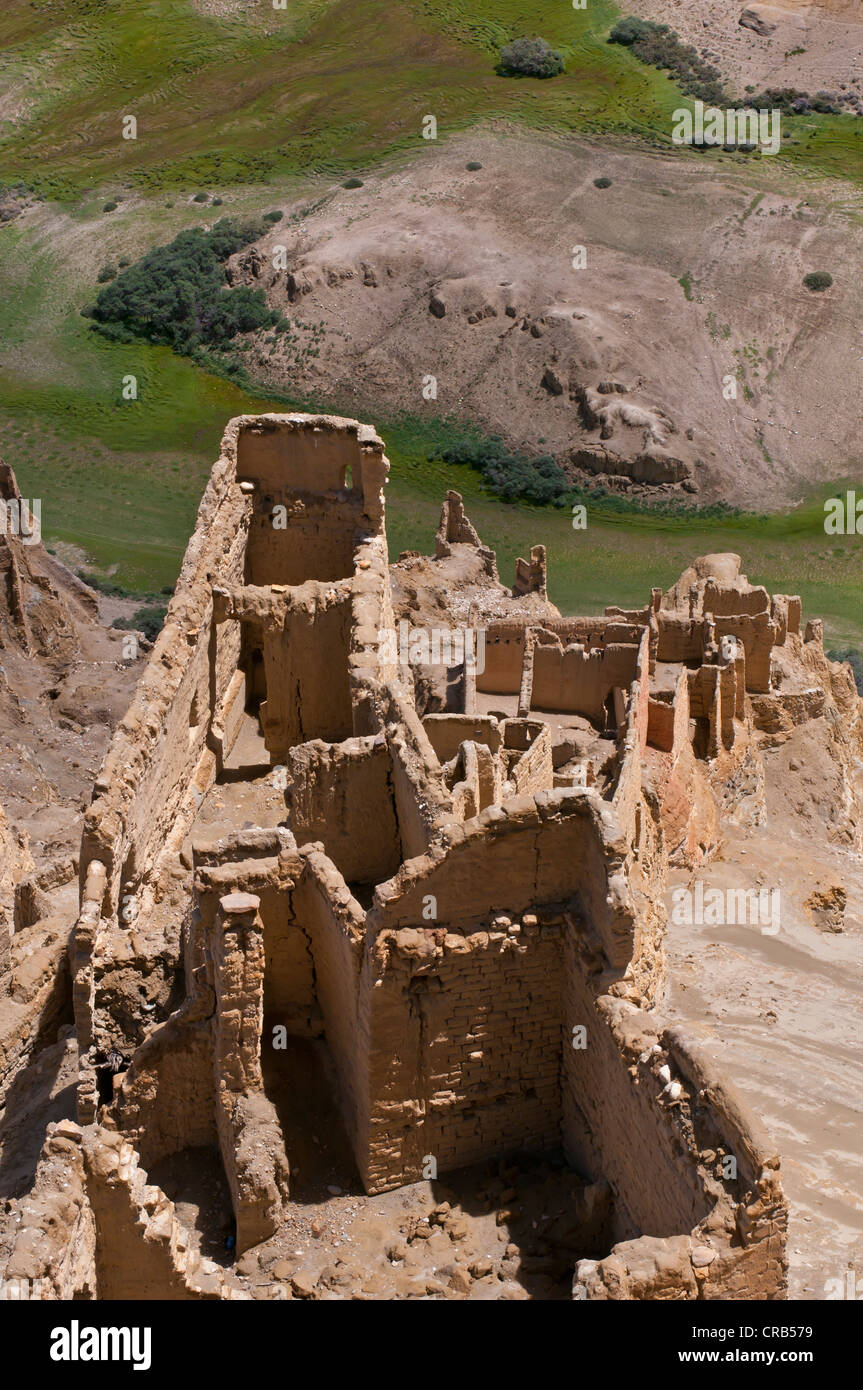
<point x="63" y="686"/>
<point x="813" y="45"/>
<point x="468" y="277"/>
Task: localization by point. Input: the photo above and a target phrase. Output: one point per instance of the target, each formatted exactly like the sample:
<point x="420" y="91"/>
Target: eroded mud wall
<point x="466" y="1048"/>
<point x="342" y="794"/>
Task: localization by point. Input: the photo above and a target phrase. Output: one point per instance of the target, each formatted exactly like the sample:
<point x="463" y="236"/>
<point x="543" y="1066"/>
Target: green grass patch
<point x="327" y="86"/>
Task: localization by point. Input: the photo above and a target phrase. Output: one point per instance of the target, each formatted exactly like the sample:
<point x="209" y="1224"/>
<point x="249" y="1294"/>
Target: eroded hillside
<point x="656" y="329"/>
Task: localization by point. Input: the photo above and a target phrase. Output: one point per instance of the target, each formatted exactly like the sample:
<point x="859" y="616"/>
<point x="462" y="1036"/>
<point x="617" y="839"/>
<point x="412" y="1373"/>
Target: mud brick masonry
<point x="454" y="879"/>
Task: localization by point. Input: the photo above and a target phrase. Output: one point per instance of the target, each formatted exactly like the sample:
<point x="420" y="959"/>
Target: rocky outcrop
<point x="758" y="19"/>
<point x="654" y="465"/>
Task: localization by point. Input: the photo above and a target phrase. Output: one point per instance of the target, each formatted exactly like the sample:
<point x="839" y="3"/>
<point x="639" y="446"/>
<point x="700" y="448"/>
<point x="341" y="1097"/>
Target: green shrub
<point x="473" y="165"/>
<point x="108" y="272"/>
<point x="660" y="47"/>
<point x="273" y="216"/>
<point x="352" y="183"/>
<point x="177" y="294"/>
<point x="602" y="183"/>
<point x="792" y="102"/>
<point x="148" y="620"/>
<point x="530" y="58"/>
<point x="201" y="198"/>
<point x="626" y="31"/>
<point x="216" y="203"/>
<point x="110" y="206"/>
<point x="818" y="280"/>
<point x="103" y="586"/>
<point x="510" y="476"/>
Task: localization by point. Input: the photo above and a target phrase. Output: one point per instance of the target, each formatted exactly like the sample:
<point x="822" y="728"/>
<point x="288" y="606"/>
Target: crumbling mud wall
<point x="179" y="730"/>
<point x="462" y="910"/>
<point x="174" y="718"/>
<point x="331" y="790"/>
<point x="465" y="1047"/>
<point x="577" y="679"/>
<point x="94" y="1227"/>
<point x="335" y="923"/>
<point x="459" y="1093"/>
<point x="53" y="1251"/>
<point x="733" y="1202"/>
<point x="165" y="751"/>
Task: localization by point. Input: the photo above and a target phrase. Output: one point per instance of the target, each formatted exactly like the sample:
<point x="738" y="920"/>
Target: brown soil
<point x="830" y="33"/>
<point x="494" y="249"/>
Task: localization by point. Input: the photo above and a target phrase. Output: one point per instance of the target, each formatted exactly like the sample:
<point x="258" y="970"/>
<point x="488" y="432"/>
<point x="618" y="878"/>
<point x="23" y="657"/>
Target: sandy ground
<point x="783" y="1015"/>
<point x="830" y="35"/>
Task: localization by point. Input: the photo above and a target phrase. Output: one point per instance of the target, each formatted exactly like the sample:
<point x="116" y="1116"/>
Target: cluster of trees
<point x="512" y="477"/>
<point x="177" y="294"/>
<point x="660" y="47"/>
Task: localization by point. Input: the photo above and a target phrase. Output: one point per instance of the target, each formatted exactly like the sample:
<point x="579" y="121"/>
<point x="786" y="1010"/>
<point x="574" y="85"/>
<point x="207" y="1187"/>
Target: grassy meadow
<point x="321" y="86"/>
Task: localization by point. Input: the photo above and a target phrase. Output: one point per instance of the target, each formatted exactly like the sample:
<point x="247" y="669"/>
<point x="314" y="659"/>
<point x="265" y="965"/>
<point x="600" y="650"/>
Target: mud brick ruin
<point x="453" y="878"/>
